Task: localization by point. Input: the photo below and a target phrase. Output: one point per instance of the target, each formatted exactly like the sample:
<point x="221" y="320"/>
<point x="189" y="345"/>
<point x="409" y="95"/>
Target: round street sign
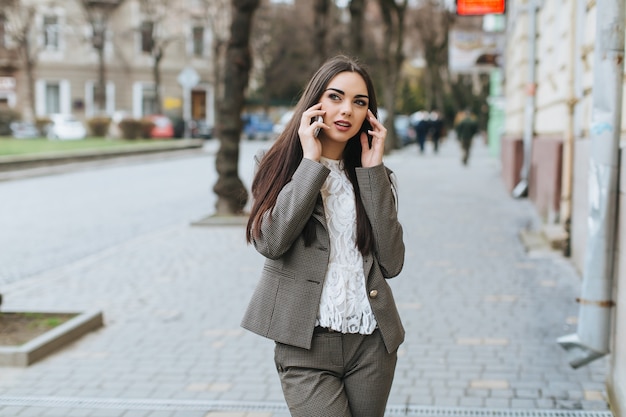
<point x="188" y="77"/>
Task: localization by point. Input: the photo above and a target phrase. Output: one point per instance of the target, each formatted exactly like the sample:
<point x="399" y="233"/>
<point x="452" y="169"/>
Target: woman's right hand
<point x="311" y="146"/>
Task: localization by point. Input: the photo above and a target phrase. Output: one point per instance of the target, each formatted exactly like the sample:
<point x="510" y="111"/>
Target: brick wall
<point x="511" y="158"/>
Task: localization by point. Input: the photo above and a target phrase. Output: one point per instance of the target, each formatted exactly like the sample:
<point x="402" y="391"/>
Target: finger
<point x="378" y="127"/>
<point x="364" y="141"/>
<point x="372" y="119"/>
<point x="313" y="111"/>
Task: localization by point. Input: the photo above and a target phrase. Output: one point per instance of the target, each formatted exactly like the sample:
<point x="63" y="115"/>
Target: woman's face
<point x="345" y="102"/>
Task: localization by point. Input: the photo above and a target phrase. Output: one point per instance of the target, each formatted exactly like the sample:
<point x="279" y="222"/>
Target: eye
<point x="334" y="96"/>
<point x="361" y="102"/>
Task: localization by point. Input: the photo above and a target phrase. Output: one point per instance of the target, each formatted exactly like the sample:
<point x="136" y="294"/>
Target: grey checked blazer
<point x="285" y="302"/>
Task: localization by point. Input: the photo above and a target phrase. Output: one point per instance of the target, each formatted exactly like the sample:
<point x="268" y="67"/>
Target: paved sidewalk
<point x="481" y="315"/>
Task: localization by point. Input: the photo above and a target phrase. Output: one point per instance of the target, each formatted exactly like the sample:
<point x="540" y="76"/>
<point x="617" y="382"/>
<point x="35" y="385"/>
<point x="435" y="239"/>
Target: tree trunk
<point x="320" y="13"/>
<point x="97" y="15"/>
<point x="28" y="57"/>
<point x="393" y="16"/>
<point x="232" y="195"/>
<point x="30" y="64"/>
<point x="433" y="27"/>
<point x="356" y="26"/>
<point x="156" y="73"/>
<point x="219" y="59"/>
<point x="100" y="90"/>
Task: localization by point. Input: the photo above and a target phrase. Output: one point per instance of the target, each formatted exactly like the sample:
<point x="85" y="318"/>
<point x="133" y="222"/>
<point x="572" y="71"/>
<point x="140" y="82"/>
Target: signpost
<point x="187" y="78"/>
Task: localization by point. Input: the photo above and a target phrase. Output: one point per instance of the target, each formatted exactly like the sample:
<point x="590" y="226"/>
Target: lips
<point x="343" y="125"/>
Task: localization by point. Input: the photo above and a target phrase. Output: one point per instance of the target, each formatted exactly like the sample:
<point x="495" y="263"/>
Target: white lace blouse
<point x="344" y="306"/>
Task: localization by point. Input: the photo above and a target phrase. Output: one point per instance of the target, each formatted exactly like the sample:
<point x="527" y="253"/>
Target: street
<point x="482" y="315"/>
<point x="48" y="222"/>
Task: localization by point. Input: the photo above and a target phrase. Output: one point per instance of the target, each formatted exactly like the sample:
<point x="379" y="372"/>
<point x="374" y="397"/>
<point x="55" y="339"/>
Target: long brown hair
<point x="282" y="159"/>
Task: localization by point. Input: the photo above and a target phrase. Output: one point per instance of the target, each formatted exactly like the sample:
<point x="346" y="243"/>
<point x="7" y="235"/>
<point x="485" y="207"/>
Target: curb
<point x="537" y="244"/>
<point x="41" y="346"/>
<point x="16" y="162"/>
<point x="215" y="220"/>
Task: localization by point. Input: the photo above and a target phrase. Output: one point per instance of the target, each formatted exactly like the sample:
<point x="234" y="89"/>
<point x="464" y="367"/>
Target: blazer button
<point x="373" y="293"/>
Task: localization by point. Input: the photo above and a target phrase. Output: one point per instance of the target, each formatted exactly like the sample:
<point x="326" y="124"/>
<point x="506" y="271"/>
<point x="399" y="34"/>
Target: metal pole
<point x="594" y="318"/>
<point x="574" y="120"/>
<point x="187" y="111"/>
<point x="521" y="189"/>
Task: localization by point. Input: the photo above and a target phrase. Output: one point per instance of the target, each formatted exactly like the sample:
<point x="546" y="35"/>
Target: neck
<point x="332" y="150"/>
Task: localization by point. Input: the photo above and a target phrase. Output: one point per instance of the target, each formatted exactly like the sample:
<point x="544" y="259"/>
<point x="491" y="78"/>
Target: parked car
<point x="24" y="130"/>
<point x="404" y="129"/>
<point x="201" y="129"/>
<point x="257" y="126"/>
<point x="163" y="126"/>
<point x="65" y="127"/>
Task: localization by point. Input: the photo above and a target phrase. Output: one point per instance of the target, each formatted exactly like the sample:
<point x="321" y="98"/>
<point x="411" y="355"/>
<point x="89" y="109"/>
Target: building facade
<point x="67" y="68"/>
<point x="550" y="97"/>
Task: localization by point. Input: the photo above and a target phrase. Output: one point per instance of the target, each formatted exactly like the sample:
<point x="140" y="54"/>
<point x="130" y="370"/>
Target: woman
<point x="324" y="216"/>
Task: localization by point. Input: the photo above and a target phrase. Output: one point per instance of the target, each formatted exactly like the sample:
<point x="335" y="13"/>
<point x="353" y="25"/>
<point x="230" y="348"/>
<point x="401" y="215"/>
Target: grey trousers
<point x="342" y="375"/>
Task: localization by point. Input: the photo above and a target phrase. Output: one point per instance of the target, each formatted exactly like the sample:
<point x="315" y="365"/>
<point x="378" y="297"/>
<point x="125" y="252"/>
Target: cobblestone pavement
<point x="481" y="314"/>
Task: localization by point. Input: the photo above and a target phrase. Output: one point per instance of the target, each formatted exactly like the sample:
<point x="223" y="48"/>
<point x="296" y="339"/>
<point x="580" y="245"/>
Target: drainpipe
<point x="521" y="189"/>
<point x="574" y="125"/>
<point x="591" y="341"/>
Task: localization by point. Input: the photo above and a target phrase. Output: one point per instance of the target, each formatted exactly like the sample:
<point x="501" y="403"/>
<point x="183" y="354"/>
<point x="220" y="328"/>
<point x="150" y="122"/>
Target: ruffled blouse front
<point x="344" y="305"/>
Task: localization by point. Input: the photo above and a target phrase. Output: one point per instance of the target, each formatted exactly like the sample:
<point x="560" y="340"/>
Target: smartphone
<point x="367" y="126"/>
<point x="317" y="129"/>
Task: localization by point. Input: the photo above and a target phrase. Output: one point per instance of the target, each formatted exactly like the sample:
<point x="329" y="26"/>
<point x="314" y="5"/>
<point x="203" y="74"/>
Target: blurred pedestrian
<point x="466" y="128"/>
<point x="324" y="216"/>
<point x="421" y="126"/>
<point x="436" y="129"/>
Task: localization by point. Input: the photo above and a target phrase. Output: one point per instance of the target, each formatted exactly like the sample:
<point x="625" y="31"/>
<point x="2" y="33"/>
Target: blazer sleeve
<point x="294" y="206"/>
<point x="380" y="201"/>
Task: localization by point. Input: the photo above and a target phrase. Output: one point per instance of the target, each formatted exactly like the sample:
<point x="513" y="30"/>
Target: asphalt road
<point x="49" y="221"/>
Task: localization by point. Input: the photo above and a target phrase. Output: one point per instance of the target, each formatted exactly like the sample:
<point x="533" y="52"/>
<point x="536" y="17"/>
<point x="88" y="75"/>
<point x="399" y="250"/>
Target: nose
<point x="346" y="108"/>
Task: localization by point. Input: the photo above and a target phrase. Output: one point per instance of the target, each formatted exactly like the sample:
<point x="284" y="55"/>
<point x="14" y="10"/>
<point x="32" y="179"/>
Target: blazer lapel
<point x="318" y="211"/>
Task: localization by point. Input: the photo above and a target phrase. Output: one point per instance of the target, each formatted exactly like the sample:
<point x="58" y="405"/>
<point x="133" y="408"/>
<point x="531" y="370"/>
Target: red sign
<point x="479" y="7"/>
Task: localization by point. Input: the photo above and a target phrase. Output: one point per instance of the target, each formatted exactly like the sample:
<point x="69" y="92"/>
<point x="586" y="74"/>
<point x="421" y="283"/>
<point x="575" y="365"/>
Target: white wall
<point x="556" y="58"/>
<point x="617" y="378"/>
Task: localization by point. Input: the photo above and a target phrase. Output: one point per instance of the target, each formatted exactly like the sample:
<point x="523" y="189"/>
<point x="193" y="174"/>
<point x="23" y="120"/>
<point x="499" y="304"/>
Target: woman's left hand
<point x="371" y="157"/>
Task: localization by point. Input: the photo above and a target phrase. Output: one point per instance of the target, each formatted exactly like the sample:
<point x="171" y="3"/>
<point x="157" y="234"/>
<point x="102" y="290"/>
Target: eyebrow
<point x="343" y="94"/>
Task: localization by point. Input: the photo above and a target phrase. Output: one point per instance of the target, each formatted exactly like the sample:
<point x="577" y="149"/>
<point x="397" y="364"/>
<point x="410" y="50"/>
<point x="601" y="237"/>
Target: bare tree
<point x="443" y="90"/>
<point x="432" y="22"/>
<point x="357" y="11"/>
<point x="263" y="43"/>
<point x="20" y="22"/>
<point x="393" y="13"/>
<point x="216" y="15"/>
<point x="97" y="14"/>
<point x="157" y="35"/>
<point x="282" y="48"/>
<point x="232" y="195"/>
<point x="320" y="29"/>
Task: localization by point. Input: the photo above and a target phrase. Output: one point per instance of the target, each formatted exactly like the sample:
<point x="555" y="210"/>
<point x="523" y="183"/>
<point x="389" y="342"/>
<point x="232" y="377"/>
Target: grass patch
<point x="19" y="328"/>
<point x="9" y="146"/>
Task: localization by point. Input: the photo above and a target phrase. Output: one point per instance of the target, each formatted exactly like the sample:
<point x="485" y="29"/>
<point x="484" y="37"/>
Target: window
<point x="144" y="99"/>
<point x="198" y="40"/>
<point x="53" y="98"/>
<point x="148" y="100"/>
<point x="51" y="32"/>
<point x="91" y="105"/>
<point x="147" y="40"/>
